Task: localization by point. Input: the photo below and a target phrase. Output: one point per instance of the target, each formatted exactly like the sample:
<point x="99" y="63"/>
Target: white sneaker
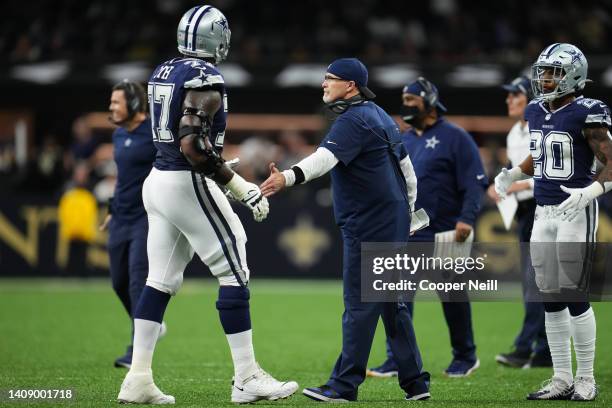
<point x="553" y="389"/>
<point x="139" y="388"/>
<point x="585" y="389"/>
<point x="261" y="385"/>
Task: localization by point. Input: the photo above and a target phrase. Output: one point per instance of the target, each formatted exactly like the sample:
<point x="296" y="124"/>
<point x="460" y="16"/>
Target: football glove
<point x="504" y="180"/>
<point x="249" y="195"/>
<point x="578" y="200"/>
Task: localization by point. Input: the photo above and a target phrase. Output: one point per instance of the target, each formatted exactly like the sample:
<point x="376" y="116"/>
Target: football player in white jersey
<point x="188" y="212"/>
<point x="567" y="132"/>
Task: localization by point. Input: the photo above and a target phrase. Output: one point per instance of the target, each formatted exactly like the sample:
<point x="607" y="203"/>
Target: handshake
<point x="255" y="198"/>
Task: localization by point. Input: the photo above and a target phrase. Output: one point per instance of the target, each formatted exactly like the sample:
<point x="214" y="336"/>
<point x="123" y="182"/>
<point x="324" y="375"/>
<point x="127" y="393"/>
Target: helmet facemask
<point x="541" y="74"/>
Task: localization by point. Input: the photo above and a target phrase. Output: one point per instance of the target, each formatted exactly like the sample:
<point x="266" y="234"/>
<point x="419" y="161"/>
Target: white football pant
<point x="561" y="251"/>
<point x="188" y="212"/>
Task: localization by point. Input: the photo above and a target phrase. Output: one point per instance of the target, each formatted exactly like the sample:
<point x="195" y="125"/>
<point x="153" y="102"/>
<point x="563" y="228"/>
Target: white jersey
<point x="517" y="148"/>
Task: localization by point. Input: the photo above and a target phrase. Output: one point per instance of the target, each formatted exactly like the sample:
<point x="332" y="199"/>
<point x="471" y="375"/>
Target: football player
<point x="189" y="213"/>
<point x="567" y="132"/>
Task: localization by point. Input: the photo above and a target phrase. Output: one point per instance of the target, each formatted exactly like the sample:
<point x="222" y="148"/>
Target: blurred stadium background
<point x="61" y="58"/>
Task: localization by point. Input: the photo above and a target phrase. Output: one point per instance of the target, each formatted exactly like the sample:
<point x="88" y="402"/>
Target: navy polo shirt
<point x="450" y="176"/>
<point x="134" y="154"/>
<point x="369" y="191"/>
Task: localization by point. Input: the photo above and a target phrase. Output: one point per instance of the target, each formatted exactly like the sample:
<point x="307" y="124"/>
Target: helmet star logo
<point x="576" y="56"/>
<point x="222" y="23"/>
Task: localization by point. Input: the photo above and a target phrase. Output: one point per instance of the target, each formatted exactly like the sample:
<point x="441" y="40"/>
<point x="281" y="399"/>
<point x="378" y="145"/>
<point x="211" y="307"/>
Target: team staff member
<point x="374" y="190"/>
<point x="134" y="154"/>
<point x="451" y="182"/>
<point x="530" y="346"/>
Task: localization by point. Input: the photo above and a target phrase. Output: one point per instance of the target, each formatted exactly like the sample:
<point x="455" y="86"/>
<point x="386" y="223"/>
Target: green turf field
<point x="65" y="334"/>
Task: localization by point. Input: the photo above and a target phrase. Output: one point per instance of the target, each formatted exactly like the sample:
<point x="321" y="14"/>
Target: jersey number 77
<point x="160" y="99"/>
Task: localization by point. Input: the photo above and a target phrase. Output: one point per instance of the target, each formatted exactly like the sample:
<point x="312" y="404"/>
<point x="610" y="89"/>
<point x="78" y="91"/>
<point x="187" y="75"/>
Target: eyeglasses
<point x="331" y="78"/>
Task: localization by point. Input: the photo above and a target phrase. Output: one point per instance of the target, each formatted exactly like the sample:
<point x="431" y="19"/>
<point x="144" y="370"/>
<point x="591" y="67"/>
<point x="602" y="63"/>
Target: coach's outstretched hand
<point x="250" y="195"/>
<point x="274" y="183"/>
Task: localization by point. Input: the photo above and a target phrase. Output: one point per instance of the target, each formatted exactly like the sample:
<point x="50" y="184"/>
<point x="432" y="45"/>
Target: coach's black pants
<point x="129" y="265"/>
<point x="359" y="323"/>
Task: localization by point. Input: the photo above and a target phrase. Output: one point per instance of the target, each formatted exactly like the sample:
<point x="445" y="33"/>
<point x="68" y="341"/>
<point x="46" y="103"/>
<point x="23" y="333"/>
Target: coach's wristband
<point x="289" y="177"/>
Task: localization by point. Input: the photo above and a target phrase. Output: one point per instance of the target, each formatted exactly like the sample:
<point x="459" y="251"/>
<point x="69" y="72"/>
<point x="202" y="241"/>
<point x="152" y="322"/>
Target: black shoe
<point x="387" y="369"/>
<point x="461" y="368"/>
<point x="125" y="361"/>
<point x="515" y="358"/>
<point x="419" y="397"/>
<point x="539" y="360"/>
<point x="324" y="393"/>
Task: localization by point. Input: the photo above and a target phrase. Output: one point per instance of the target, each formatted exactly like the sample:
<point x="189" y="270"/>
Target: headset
<point x="134" y="96"/>
<point x="342" y="105"/>
<point x="431" y="97"/>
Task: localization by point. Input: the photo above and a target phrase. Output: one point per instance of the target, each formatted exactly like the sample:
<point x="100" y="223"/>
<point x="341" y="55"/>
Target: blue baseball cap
<point x="426" y="90"/>
<point x="351" y="69"/>
<point x="520" y="84"/>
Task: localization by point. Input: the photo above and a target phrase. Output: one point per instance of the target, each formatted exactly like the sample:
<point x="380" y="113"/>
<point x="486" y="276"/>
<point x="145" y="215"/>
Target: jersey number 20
<point x="160" y="97"/>
<point x="552" y="155"/>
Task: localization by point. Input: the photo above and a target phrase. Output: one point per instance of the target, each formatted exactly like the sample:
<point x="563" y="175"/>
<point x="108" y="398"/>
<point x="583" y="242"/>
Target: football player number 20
<point x="552" y="155"/>
<point x="160" y="96"/>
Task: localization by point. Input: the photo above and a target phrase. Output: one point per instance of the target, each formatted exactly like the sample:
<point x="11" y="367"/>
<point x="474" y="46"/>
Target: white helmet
<point x="569" y="67"/>
<point x="203" y="32"/>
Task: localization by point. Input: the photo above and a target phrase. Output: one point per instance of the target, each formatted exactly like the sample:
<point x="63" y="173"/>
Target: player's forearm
<point x="313" y="166"/>
<point x="600" y="141"/>
<point x="526" y="166"/>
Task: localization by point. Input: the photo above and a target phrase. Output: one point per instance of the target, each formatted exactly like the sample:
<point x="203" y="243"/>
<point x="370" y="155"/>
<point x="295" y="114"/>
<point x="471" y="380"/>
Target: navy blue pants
<point x="359" y="323"/>
<point x="532" y="336"/>
<point x="458" y="316"/>
<point x="129" y="265"/>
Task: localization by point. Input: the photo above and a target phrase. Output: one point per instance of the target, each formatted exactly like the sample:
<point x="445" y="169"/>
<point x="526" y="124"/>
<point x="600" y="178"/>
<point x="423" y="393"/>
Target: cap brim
<point x="511" y="88"/>
<point x="365" y="91"/>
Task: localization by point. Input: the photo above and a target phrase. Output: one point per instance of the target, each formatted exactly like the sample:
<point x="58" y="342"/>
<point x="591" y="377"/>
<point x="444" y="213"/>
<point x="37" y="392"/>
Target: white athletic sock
<point x="146" y="333"/>
<point x="559" y="340"/>
<point x="583" y="329"/>
<point x="241" y="346"/>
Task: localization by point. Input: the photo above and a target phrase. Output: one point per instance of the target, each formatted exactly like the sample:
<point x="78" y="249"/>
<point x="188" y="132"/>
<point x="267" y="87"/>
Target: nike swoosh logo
<point x="480" y="176"/>
<point x="330" y="142"/>
<point x="238" y="388"/>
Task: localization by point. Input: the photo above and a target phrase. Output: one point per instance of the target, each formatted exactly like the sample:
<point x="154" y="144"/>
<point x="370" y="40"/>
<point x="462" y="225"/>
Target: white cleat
<point x="553" y="389"/>
<point x="585" y="389"/>
<point x="259" y="386"/>
<point x="139" y="388"/>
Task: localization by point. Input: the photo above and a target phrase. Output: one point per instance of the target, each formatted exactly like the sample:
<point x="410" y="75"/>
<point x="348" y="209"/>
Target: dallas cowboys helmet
<point x="569" y="71"/>
<point x="203" y="32"/>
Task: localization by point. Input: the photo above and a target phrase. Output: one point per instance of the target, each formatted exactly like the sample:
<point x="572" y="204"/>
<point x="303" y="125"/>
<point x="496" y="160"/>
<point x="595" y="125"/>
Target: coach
<point x="134" y="153"/>
<point x="374" y="189"/>
<point x="451" y="182"/>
